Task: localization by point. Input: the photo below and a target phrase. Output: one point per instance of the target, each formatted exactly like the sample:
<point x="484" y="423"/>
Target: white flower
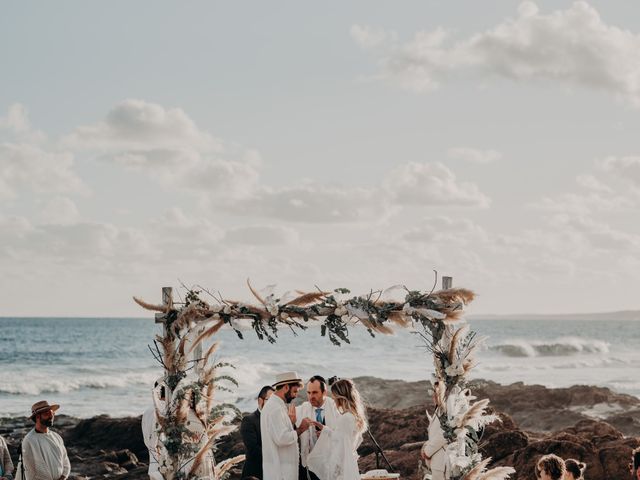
<point x="340" y="311"/>
<point x="227" y="309"/>
<point x="454" y="370"/>
<point x="408" y="309"/>
<point x="272" y="309"/>
<point x="216" y="316"/>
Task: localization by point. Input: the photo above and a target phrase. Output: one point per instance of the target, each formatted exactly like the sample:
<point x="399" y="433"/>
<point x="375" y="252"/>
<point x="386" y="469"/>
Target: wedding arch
<point x="192" y="377"/>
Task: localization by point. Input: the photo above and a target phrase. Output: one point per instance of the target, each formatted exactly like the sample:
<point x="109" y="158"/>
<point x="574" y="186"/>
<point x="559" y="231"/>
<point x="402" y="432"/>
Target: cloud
<point x="626" y="168"/>
<point x="16" y="120"/>
<point x="140" y="125"/>
<point x="474" y="155"/>
<point x="25" y="167"/>
<point x="166" y="144"/>
<point x="599" y="235"/>
<point x="446" y="230"/>
<point x="573" y="46"/>
<point x="368" y="37"/>
<point x="61" y="211"/>
<point x="262" y="235"/>
<point x="432" y="184"/>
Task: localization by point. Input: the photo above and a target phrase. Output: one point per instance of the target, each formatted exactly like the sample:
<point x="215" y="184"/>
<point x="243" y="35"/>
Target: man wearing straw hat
<point x="43" y="453"/>
<point x="279" y="435"/>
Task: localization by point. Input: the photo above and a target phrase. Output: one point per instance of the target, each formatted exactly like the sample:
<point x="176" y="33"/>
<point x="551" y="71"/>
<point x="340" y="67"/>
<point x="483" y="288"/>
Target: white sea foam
<point x="560" y="347"/>
<point x="36" y="383"/>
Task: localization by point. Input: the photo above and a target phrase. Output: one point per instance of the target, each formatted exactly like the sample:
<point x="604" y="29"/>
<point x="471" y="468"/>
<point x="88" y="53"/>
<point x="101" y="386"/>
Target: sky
<point x="360" y="144"/>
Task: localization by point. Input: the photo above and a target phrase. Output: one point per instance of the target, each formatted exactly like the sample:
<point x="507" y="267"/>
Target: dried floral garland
<point x="437" y="313"/>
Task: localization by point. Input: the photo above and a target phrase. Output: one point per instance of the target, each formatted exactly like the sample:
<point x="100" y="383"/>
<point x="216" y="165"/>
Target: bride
<point x="334" y="456"/>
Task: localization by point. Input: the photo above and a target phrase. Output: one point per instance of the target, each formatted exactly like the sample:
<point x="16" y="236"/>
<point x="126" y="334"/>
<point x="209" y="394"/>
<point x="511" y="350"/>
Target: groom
<point x="279" y="434"/>
<point x="320" y="408"/>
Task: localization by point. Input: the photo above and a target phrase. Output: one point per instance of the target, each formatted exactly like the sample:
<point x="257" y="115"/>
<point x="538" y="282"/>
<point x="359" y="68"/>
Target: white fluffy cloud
<point x="25" y="167"/>
<point x="574" y="46"/>
<point x="432" y="184"/>
<point x="137" y="124"/>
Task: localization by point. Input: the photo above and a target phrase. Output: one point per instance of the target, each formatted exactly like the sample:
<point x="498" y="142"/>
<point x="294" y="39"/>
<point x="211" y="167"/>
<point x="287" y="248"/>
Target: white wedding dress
<point x="334" y="455"/>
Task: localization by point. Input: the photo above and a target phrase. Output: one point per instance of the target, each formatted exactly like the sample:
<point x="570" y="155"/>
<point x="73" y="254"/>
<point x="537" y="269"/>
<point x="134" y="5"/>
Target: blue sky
<point x="362" y="145"/>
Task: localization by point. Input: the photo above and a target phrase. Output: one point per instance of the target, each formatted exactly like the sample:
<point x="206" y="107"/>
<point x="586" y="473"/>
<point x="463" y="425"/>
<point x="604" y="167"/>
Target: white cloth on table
<point x="279" y="441"/>
<point x="335" y="456"/>
<point x="308" y="438"/>
<point x="44" y="456"/>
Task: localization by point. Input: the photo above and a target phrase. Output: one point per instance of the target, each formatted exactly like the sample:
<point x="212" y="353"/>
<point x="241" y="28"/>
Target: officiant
<point x="319" y="407"/>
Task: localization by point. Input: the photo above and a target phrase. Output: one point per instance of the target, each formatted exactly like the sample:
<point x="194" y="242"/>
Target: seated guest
<point x="550" y="467"/>
<point x="575" y="469"/>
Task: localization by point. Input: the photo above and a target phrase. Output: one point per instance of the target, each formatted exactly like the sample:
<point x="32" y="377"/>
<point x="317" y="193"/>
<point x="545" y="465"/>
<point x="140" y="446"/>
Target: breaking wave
<point x="560" y="347"/>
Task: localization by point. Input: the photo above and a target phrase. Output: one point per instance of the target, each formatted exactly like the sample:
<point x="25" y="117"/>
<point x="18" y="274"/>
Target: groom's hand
<point x="292" y="414"/>
<point x="304" y="426"/>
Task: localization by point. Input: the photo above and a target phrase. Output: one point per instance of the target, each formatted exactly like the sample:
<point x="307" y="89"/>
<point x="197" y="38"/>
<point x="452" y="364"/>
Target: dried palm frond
<point x="212" y="349"/>
<point x="498" y="473"/>
<point x="307" y="298"/>
<point x="474" y="412"/>
<point x="197" y="461"/>
<point x="399" y="318"/>
<point x="476" y="471"/>
<point x="455" y="342"/>
<point x="151" y="306"/>
<point x="456" y="295"/>
<point x="206" y="334"/>
<point x="226" y="465"/>
<point x="256" y="294"/>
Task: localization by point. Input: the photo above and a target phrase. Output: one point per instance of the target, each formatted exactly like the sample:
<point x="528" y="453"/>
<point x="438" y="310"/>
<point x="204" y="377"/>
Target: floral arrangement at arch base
<point x="196" y="319"/>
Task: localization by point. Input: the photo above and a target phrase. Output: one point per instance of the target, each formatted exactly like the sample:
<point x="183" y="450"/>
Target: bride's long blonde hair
<point x="348" y="399"/>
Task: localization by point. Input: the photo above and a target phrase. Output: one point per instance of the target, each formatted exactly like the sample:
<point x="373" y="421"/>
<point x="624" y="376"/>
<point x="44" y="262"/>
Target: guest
<point x="150" y="430"/>
<point x="574" y="469"/>
<point x="6" y="465"/>
<point x="321" y="408"/>
<point x="252" y="439"/>
<point x="44" y="456"/>
<point x="279" y="437"/>
<point x="335" y="456"/>
<point x="550" y="467"/>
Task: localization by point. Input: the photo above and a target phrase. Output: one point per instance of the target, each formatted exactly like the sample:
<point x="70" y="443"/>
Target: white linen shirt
<point x="44" y="456"/>
<point x="279" y="442"/>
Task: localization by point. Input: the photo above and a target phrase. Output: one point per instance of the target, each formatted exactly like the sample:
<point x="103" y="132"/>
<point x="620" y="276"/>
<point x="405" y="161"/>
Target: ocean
<point x="97" y="366"/>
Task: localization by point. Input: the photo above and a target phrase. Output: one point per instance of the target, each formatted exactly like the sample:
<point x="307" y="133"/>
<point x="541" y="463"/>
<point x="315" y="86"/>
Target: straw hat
<point x="286" y="377"/>
<point x="42" y="406"/>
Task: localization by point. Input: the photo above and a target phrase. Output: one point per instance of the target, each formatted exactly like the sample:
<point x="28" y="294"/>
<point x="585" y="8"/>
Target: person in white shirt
<point x="279" y="434"/>
<point x="335" y="456"/>
<point x="321" y="408"/>
<point x="150" y="430"/>
<point x="44" y="455"/>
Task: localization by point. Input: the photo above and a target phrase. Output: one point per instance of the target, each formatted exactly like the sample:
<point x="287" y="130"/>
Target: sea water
<point x="97" y="366"/>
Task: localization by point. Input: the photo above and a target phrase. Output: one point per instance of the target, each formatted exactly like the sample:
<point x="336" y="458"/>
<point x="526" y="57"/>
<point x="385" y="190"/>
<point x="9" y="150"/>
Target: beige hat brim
<point x="47" y="408"/>
<point x="287" y="382"/>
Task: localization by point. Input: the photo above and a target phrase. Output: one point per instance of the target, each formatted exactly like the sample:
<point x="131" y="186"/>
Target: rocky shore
<point x="592" y="424"/>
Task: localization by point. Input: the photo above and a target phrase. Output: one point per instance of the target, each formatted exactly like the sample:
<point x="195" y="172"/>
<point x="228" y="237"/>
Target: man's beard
<point x="288" y="397"/>
<point x="47" y="422"/>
